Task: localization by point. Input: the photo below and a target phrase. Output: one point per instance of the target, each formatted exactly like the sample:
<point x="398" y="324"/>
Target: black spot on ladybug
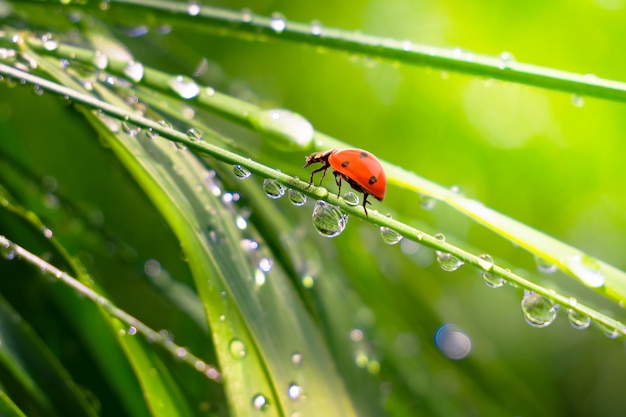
<point x="373" y="179"/>
<point x="364" y="155"/>
<point x="345" y="163"/>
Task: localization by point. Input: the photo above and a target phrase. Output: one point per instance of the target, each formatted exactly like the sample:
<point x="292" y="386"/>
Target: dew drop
<point x="389" y="236"/>
<point x="241" y="223"/>
<point x="288" y="130"/>
<point x="8" y="250"/>
<point x="578" y="320"/>
<point x="328" y="219"/>
<point x="49" y="42"/>
<point x="294" y="391"/>
<point x="130" y="129"/>
<point x="194" y="134"/>
<point x="237" y="349"/>
<point x="545" y="266"/>
<point x="241" y="172"/>
<point x="278" y="22"/>
<point x="578" y="100"/>
<point x="587" y="269"/>
<point x="151" y="134"/>
<point x="538" y="311"/>
<point x="181" y="352"/>
<point x="491" y="280"/>
<point x="610" y="332"/>
<point x="132" y="330"/>
<point x="273" y="189"/>
<point x="100" y="60"/>
<point x="265" y="265"/>
<point x="505" y="60"/>
<point x="184" y="86"/>
<point x="316" y="28"/>
<point x="351" y="199"/>
<point x="448" y="262"/>
<point x="453" y="343"/>
<point x="427" y="202"/>
<point x="296" y="197"/>
<point x="134" y="71"/>
<point x="259" y="277"/>
<point x="193" y="8"/>
<point x="47" y="233"/>
<point x="296" y="359"/>
<point x="259" y="402"/>
<point x="246" y="15"/>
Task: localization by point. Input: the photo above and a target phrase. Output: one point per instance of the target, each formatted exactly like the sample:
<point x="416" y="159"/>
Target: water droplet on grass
<point x="427" y="202"/>
<point x="185" y="87"/>
<point x="246" y="15"/>
<point x="587" y="269"/>
<point x="237" y="349"/>
<point x="194" y="134"/>
<point x="296" y="197"/>
<point x="100" y="60"/>
<point x="130" y="129"/>
<point x="296" y="359"/>
<point x="316" y="28"/>
<point x="578" y="320"/>
<point x="49" y="42"/>
<point x="578" y="100"/>
<point x="389" y="236"/>
<point x="288" y="129"/>
<point x="8" y="250"/>
<point x="294" y="391"/>
<point x="273" y="189"/>
<point x="538" y="311"/>
<point x="545" y="266"/>
<point x="328" y="220"/>
<point x="193" y="8"/>
<point x="351" y="199"/>
<point x="134" y="71"/>
<point x="241" y="172"/>
<point x="278" y="22"/>
<point x="506" y="58"/>
<point x="259" y="402"/>
<point x="491" y="280"/>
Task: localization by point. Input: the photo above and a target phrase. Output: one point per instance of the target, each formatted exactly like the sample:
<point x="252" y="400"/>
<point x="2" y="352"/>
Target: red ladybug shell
<point x="361" y="167"/>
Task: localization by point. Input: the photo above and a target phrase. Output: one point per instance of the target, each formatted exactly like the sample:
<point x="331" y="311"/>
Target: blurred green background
<point x="547" y="159"/>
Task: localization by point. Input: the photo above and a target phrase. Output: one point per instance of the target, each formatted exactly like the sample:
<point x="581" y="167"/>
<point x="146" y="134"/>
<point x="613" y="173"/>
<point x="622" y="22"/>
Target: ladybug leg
<point x="365" y="195"/>
<point x="338" y="182"/>
<point x="323" y="168"/>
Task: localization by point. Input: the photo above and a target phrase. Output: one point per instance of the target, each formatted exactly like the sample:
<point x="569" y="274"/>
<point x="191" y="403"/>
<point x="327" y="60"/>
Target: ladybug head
<point x="318" y="157"/>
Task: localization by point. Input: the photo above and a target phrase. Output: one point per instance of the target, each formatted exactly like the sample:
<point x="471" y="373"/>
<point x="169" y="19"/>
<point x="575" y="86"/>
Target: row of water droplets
<point x="538" y="310"/>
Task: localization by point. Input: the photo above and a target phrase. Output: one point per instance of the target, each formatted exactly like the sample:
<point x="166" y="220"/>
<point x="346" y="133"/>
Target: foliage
<point x="128" y="187"/>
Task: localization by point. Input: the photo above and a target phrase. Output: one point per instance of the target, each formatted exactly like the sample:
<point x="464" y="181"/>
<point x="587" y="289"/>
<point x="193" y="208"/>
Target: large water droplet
<point x="328" y="220"/>
<point x="545" y="266"/>
<point x="259" y="402"/>
<point x="447" y="261"/>
<point x="610" y="332"/>
<point x="538" y="310"/>
<point x="278" y="22"/>
<point x="134" y="71"/>
<point x="587" y="269"/>
<point x="452" y="342"/>
<point x="273" y="189"/>
<point x="351" y="199"/>
<point x="237" y="349"/>
<point x="241" y="172"/>
<point x="288" y="130"/>
<point x="578" y="320"/>
<point x="294" y="391"/>
<point x="296" y="197"/>
<point x="184" y="86"/>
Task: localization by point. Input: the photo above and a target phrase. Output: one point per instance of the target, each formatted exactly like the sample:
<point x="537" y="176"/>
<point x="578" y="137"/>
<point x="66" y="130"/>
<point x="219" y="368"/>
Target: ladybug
<point x="357" y="167"/>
